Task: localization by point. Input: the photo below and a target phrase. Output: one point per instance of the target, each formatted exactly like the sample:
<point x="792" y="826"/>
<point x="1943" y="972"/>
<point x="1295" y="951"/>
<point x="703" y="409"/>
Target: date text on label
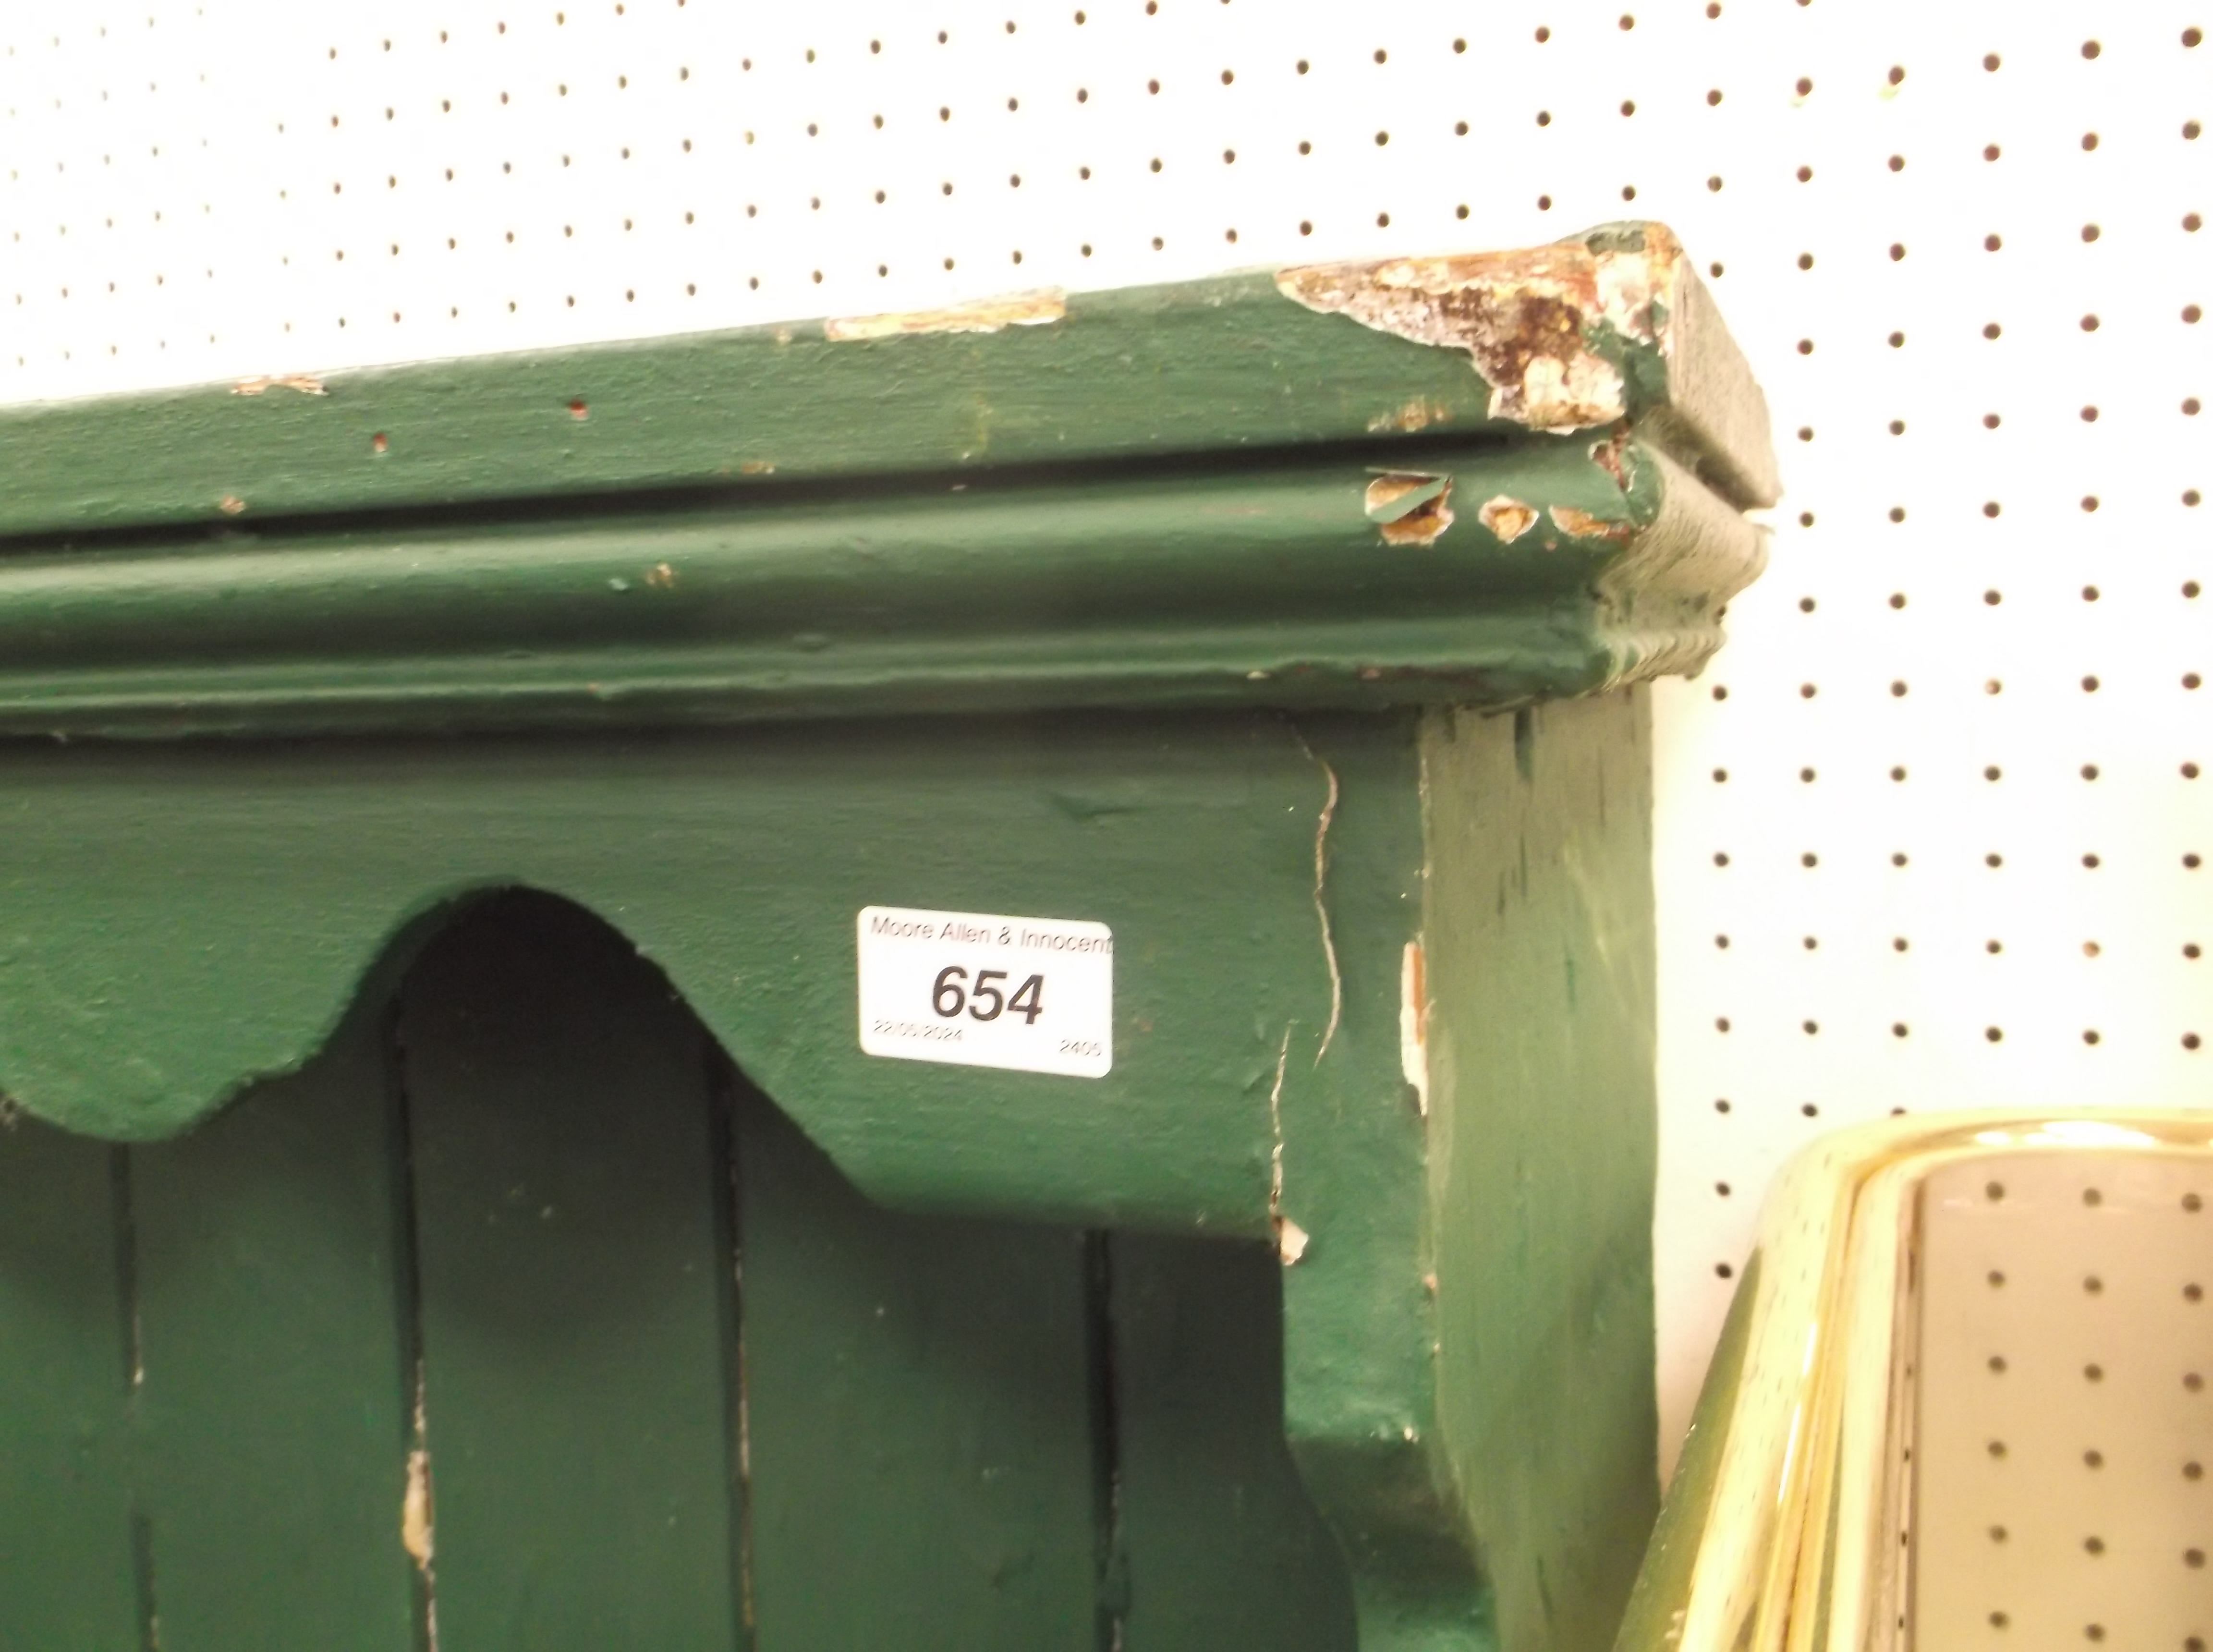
<point x="1034" y="995"/>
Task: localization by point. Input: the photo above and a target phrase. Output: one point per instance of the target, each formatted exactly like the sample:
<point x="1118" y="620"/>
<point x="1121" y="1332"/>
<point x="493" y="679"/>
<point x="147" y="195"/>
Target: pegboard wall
<point x="2061" y="1427"/>
<point x="1929" y="831"/>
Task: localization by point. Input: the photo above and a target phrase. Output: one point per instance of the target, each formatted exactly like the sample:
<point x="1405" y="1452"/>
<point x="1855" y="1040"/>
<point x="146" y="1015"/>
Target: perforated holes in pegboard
<point x="1954" y="856"/>
<point x="2064" y="1419"/>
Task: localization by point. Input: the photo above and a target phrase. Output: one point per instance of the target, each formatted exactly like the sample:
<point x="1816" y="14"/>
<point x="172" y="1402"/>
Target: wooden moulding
<point x="1488" y="480"/>
<point x="1239" y="363"/>
<point x="1528" y="573"/>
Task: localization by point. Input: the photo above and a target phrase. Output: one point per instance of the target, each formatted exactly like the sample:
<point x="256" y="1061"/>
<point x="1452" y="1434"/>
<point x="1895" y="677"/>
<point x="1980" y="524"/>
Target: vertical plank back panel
<point x="535" y="1178"/>
<point x="68" y="1581"/>
<point x="574" y="1309"/>
<point x="276" y="1407"/>
<point x="918" y="1403"/>
<point x="1221" y="1544"/>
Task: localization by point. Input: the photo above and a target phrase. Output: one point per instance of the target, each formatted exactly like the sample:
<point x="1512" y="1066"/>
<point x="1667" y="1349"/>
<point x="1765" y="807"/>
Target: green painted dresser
<point x="461" y="1183"/>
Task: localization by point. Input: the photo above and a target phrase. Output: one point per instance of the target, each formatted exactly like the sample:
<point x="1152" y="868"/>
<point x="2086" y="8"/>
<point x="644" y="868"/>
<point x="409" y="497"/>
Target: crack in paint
<point x="414" y="1531"/>
<point x="1507" y="517"/>
<point x="984" y="315"/>
<point x="1529" y="320"/>
<point x="1276" y="1124"/>
<point x="1322" y="904"/>
<point x="1290" y="1238"/>
<point x="1417" y="415"/>
<point x="1582" y="525"/>
<point x="417" y="1522"/>
<point x="306" y="384"/>
<point x="1414" y="1023"/>
<point x="1613" y="455"/>
<point x="1410" y="507"/>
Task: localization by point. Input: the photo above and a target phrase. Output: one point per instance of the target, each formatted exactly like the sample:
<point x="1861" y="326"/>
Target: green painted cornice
<point x="1270" y="586"/>
<point x="1481" y="479"/>
<point x="1609" y="325"/>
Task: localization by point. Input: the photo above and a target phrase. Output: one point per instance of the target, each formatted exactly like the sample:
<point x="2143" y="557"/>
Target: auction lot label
<point x="1035" y="994"/>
